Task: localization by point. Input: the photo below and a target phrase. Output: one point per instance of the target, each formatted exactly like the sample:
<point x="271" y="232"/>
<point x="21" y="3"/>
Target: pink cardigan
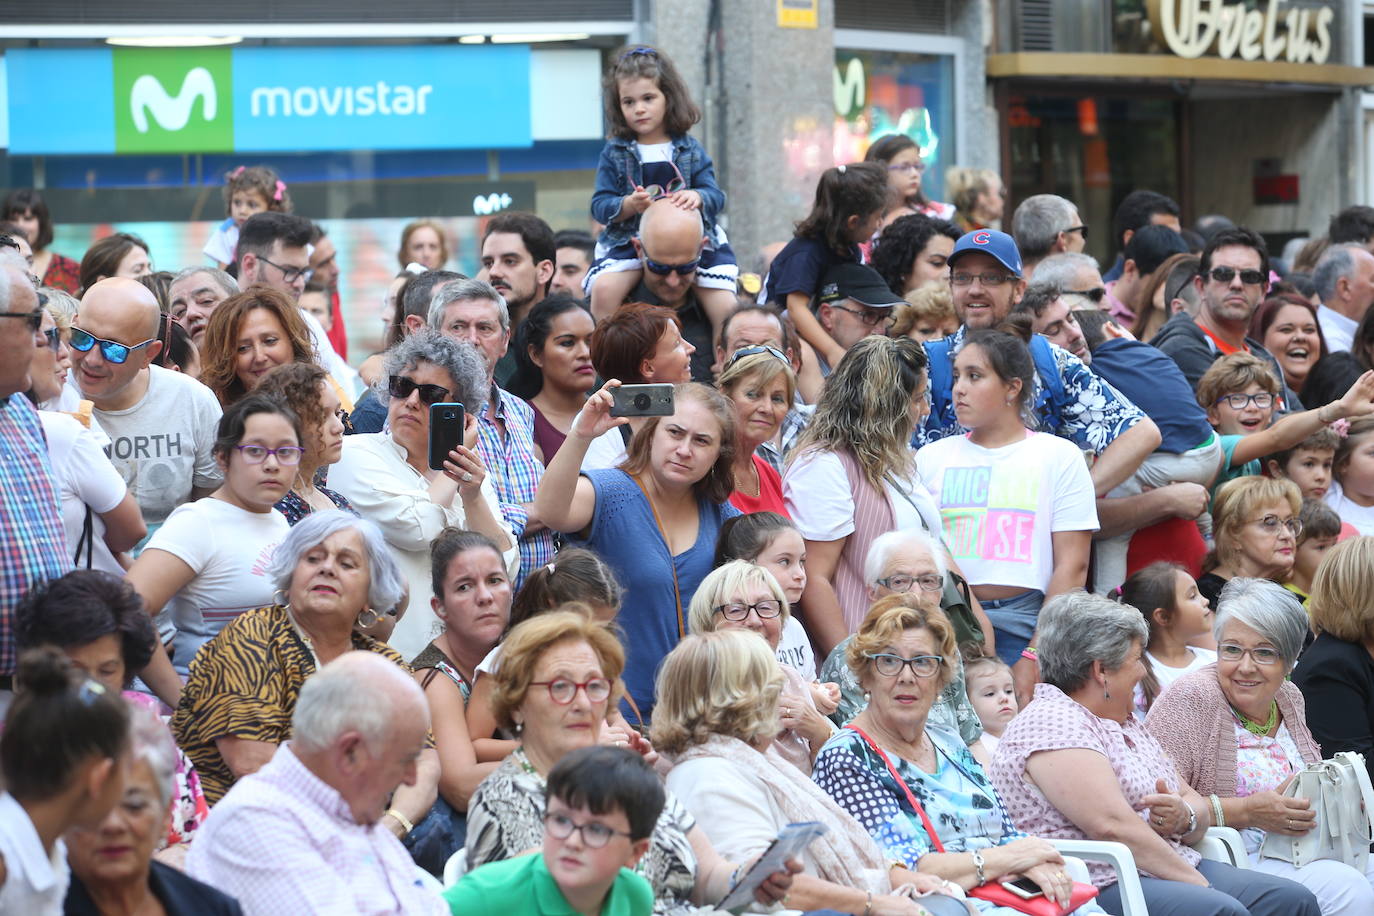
<point x="1193" y="722"/>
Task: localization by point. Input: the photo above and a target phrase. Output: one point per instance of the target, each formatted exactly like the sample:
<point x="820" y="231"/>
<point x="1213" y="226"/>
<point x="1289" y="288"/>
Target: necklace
<point x="1255" y="728"/>
<point x="754" y="472"/>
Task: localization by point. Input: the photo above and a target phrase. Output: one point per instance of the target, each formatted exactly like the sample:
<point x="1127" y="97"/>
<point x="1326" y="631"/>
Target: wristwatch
<point x="1192" y="819"/>
<point x="978" y="863"/>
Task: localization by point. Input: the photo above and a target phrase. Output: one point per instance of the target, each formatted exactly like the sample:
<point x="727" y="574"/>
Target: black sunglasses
<point x="400" y="387"/>
<point x="1227" y="274"/>
<point x="664" y="269"/>
<point x="34" y="319"/>
<point x="742" y="352"/>
<point x="1082" y="229"/>
<point x="1094" y="295"/>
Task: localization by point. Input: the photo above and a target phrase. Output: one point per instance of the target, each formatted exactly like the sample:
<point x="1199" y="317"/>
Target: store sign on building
<point x="268" y="99"/>
<point x="1269" y="30"/>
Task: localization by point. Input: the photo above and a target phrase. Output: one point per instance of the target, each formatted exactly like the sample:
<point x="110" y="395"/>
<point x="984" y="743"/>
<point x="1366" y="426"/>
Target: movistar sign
<point x="144" y="100"/>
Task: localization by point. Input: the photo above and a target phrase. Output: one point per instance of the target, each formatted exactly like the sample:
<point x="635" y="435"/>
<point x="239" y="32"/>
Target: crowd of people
<point x="1036" y="552"/>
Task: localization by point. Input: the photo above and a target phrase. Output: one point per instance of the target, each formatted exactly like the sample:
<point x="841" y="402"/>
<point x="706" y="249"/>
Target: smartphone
<point x="642" y="401"/>
<point x="445" y="432"/>
<point x="1023" y="887"/>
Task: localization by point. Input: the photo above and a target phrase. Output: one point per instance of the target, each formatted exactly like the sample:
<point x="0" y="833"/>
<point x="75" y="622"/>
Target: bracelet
<point x="401" y="819"/>
<point x="868" y="905"/>
<point x="978" y="863"/>
<point x="1218" y="817"/>
<point x="1030" y="653"/>
<point x="1192" y="819"/>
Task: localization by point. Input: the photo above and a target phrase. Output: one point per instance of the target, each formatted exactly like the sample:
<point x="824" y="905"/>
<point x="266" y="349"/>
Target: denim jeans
<point x="1013" y="622"/>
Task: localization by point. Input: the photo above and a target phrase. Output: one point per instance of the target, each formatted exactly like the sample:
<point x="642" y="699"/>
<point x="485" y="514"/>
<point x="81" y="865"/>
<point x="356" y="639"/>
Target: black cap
<point x="859" y="282"/>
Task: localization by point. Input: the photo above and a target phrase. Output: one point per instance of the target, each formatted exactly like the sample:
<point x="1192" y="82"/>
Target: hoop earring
<point x="279" y="597"/>
<point x="367" y="623"/>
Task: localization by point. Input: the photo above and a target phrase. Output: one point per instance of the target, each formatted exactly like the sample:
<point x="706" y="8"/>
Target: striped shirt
<point x="33" y="545"/>
<point x="515" y="473"/>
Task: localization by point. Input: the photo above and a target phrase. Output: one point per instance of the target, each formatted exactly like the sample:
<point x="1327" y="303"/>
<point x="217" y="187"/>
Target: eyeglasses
<point x="34" y="319"/>
<point x="1094" y="295"/>
<point x="1232" y="653"/>
<point x="664" y="269"/>
<point x="870" y="317"/>
<point x="1272" y="524"/>
<point x="54" y="337"/>
<point x="917" y="167"/>
<point x="1227" y="274"/>
<point x="400" y="387"/>
<point x="562" y="691"/>
<point x="285" y="454"/>
<point x="742" y="352"/>
<point x="994" y="280"/>
<point x="889" y="665"/>
<point x="1264" y="400"/>
<point x="1082" y="229"/>
<point x="290" y="274"/>
<point x="113" y="351"/>
<point x="594" y="834"/>
<point x="930" y="582"/>
<point x="766" y="609"/>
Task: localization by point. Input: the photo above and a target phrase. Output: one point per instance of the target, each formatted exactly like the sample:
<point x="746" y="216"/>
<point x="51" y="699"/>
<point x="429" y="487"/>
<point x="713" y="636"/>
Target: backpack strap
<point x="940" y="367"/>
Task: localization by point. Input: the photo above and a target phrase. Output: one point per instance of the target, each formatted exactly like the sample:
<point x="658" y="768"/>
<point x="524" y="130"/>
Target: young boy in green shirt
<point x="601" y="804"/>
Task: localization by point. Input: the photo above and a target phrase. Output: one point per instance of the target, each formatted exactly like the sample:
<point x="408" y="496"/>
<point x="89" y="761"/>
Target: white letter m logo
<point x="171" y="112"/>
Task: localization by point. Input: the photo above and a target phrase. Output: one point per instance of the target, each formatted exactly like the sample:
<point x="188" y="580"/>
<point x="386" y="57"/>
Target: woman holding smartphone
<point x="387" y="476"/>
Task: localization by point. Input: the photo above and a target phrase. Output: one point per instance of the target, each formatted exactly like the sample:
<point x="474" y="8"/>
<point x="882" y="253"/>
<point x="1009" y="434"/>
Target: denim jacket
<point x="620" y="169"/>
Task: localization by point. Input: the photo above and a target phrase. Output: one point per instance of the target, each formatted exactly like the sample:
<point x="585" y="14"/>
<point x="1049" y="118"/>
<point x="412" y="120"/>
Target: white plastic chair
<point x="1224" y="844"/>
<point x="455" y="867"/>
<point x="1119" y="857"/>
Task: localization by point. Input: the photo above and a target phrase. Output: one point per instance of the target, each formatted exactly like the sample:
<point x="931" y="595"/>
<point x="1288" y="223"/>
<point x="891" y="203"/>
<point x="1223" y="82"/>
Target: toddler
<point x="248" y="190"/>
<point x="987" y="680"/>
<point x="1352" y="491"/>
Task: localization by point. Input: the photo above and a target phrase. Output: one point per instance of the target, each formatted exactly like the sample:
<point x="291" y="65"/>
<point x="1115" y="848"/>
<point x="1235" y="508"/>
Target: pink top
<point x="1054" y="722"/>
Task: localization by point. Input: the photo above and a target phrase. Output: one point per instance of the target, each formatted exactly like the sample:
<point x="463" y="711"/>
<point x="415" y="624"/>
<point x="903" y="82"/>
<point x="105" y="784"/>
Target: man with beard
<point x="518" y="257"/>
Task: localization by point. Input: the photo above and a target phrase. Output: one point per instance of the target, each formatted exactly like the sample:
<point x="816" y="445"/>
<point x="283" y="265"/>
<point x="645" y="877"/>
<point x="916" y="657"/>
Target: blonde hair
<point x="1232" y="374"/>
<point x="722" y="683"/>
<point x="62" y="306"/>
<point x="1342" y="601"/>
<point x="725" y="582"/>
<point x="965" y="184"/>
<point x="932" y="302"/>
<point x="765" y="366"/>
<point x="410" y="229"/>
<point x="1236" y="501"/>
<point x="888" y="618"/>
<point x="526" y="644"/>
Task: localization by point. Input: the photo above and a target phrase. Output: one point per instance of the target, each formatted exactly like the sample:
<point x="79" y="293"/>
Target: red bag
<point x="991" y="891"/>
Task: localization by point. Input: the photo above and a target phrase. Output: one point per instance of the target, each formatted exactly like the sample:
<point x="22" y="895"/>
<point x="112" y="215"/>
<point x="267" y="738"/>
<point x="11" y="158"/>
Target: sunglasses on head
<point x="742" y="352"/>
<point x="400" y="387"/>
<point x="113" y="351"/>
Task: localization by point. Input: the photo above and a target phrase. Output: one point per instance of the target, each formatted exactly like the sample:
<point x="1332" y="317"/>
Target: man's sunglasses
<point x="1094" y="295"/>
<point x="113" y="351"/>
<point x="1227" y="274"/>
<point x="400" y="387"/>
<point x="32" y="320"/>
<point x="664" y="269"/>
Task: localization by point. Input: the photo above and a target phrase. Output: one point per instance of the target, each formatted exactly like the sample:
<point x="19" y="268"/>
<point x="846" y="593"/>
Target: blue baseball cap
<point x="990" y="242"/>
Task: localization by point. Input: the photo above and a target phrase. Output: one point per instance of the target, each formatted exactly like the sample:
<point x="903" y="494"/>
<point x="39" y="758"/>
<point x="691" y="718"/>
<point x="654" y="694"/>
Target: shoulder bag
<point x="1340" y="793"/>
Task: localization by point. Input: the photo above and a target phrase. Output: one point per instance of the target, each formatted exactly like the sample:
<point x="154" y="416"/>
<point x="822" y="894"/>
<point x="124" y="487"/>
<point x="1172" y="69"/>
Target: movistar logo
<point x="172" y="112"/>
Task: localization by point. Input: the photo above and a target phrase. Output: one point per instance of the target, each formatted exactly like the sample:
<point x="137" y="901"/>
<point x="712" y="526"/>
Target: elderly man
<point x="1046" y="225"/>
<point x="162" y="424"/>
<point x="32" y="540"/>
<point x="474" y="311"/>
<point x="194" y="293"/>
<point x="301" y="835"/>
<point x="853" y="303"/>
<point x="1077" y="275"/>
<point x="1344" y="279"/>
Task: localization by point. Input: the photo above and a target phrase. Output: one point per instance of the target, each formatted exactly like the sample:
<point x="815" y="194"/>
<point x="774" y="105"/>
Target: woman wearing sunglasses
<point x="247" y="335"/>
<point x="207" y="564"/>
<point x="760" y="384"/>
<point x="386" y="476"/>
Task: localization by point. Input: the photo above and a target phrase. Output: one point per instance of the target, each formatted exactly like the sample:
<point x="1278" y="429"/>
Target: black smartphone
<point x="1023" y="887"/>
<point x="445" y="432"/>
<point x="642" y="401"/>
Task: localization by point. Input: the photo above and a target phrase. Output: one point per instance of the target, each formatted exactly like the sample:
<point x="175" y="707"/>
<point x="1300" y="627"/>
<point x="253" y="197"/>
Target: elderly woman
<point x="305" y="389"/>
<point x="911" y="563"/>
<point x="1336" y="673"/>
<point x="113" y="871"/>
<point x="717" y="721"/>
<point x="236" y="707"/>
<point x="1256" y="526"/>
<point x="1077" y="764"/>
<point x="98" y="621"/>
<point x="761" y="385"/>
<point x="386" y="476"/>
<point x="744" y="596"/>
<point x="559" y="674"/>
<point x="892" y="757"/>
<point x="1237" y="731"/>
<point x="654" y="519"/>
<point x="248" y="334"/>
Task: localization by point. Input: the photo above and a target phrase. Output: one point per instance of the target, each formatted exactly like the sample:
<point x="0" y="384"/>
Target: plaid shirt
<point x="33" y="543"/>
<point x="515" y="472"/>
<point x="792" y="426"/>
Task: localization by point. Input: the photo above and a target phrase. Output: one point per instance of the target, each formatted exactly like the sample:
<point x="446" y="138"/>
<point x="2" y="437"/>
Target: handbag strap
<point x="86" y="543"/>
<point x="1361" y="772"/>
<point x="920" y="811"/>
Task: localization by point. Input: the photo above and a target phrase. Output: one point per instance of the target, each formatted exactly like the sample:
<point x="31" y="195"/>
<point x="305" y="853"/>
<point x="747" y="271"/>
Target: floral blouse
<point x="958" y="797"/>
<point x="295" y="508"/>
<point x="189" y="808"/>
<point x="1262" y="762"/>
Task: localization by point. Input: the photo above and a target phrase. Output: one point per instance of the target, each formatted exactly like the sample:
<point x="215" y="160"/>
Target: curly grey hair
<point x="458" y="358"/>
<point x="1076" y="629"/>
<point x="1269" y="609"/>
<point x="387" y="585"/>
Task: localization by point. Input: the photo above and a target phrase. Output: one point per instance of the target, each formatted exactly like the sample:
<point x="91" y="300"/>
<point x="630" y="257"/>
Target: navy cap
<point x="990" y="242"/>
<point x="863" y="284"/>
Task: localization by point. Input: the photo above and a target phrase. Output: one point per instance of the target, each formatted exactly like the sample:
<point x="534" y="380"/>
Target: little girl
<point x="773" y="542"/>
<point x="1352" y="492"/>
<point x="1177" y="615"/>
<point x="247" y="190"/>
<point x="849" y="205"/>
<point x="649" y="156"/>
<point x="987" y="680"/>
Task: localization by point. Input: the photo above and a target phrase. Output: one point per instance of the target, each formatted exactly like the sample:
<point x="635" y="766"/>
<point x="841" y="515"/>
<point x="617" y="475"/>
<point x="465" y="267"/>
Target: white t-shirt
<point x="1166" y="675"/>
<point x="1001" y="506"/>
<point x="816" y="490"/>
<point x="794" y="649"/>
<point x="229" y="549"/>
<point x="162" y="446"/>
<point x="223" y="245"/>
<point x="1362" y="517"/>
<point x="36" y="884"/>
<point x="655" y="152"/>
<point x="85" y="477"/>
<point x="343" y="373"/>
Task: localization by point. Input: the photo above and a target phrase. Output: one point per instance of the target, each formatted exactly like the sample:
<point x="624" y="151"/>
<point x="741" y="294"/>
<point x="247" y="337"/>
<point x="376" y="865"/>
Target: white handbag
<point x="1344" y="801"/>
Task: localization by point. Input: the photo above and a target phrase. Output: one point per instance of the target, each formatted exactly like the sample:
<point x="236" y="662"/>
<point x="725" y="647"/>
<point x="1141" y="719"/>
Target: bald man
<point x="669" y="245"/>
<point x="161" y="424"/>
